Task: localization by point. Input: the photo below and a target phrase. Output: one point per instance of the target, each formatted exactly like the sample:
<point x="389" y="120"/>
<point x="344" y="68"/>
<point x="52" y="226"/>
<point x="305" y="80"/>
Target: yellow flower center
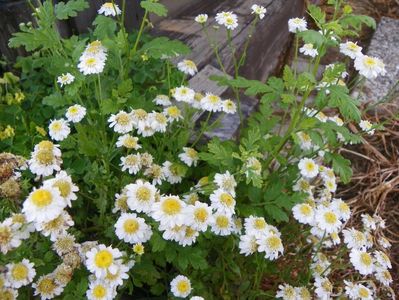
<point x="5" y="235"/>
<point x="143" y="194"/>
<point x="46" y="145"/>
<point x="306" y="210"/>
<point x="6" y="295"/>
<point x="41" y="198"/>
<point x="327" y="285"/>
<point x="103" y="259"/>
<point x="366" y="259"/>
<point x="138" y="249"/>
<point x="122" y="119"/>
<point x="64" y="187"/>
<point x="192" y="153"/>
<point x="108" y="5"/>
<point x="260" y="223"/>
<point x="18" y="218"/>
<point x="173" y="111"/>
<point x="370" y="62"/>
<point x="289" y="292"/>
<point x="309" y="166"/>
<point x="226" y="199"/>
<point x="171" y="206"/>
<point x="229" y="21"/>
<point x="201" y="214"/>
<point x="222" y="221"/>
<point x="274" y="242"/>
<point x="45" y="157"/>
<point x="131" y="226"/>
<point x="161" y="118"/>
<point x="214" y="99"/>
<point x="73" y="110"/>
<point x="140" y="114"/>
<point x="363" y="292"/>
<point x="131" y="160"/>
<point x="183" y="286"/>
<point x="91" y="61"/>
<point x="189" y="232"/>
<point x="54" y="224"/>
<point x="330" y="217"/>
<point x="190" y="64"/>
<point x="99" y="291"/>
<point x="343" y="207"/>
<point x="46" y="286"/>
<point x="19" y="272"/>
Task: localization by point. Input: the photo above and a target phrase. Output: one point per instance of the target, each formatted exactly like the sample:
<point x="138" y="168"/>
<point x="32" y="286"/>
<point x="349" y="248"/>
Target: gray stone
<point x="384" y="45"/>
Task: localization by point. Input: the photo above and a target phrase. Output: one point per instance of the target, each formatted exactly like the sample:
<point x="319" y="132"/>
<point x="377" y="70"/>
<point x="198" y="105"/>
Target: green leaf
<point x="341" y="166"/>
<point x="317" y="14"/>
<point x="312" y="37"/>
<point x="154" y="7"/>
<point x="356" y="21"/>
<point x="55" y="100"/>
<point x="220" y="154"/>
<point x="162" y="46"/>
<point x="346" y="104"/>
<point x="158" y="244"/>
<point x="105" y="27"/>
<point x="65" y="10"/>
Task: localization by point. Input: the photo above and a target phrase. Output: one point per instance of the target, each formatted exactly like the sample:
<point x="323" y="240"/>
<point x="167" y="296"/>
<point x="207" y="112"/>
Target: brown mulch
<point x="374" y="188"/>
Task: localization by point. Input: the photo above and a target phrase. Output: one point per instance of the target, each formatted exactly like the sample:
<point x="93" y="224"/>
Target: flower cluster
<point x="92" y="60"/>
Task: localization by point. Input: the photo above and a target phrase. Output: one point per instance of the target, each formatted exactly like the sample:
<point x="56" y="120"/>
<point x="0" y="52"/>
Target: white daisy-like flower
<point x="303" y="293"/>
<point x="190" y="156"/>
<point x="253" y="165"/>
<point x="188" y="237"/>
<point x="350" y="49"/>
<point x="65" y="79"/>
<point x="155" y="172"/>
<point x="131" y="163"/>
<point x="99" y="290"/>
<point x="354" y="239"/>
<point x="114" y="280"/>
<point x="96" y="49"/>
<point x="248" y="244"/>
<point x="184" y="94"/>
<point x="56" y="226"/>
<point x="140" y="119"/>
<point x="187" y="67"/>
<point x="59" y="129"/>
<point x="342" y="209"/>
<point x="109" y="9"/>
<point x="8" y="293"/>
<point x="222" y="224"/>
<point x="211" y="102"/>
<point x="256" y="226"/>
<point x="102" y="259"/>
<point x="46" y="287"/>
<point x="286" y="292"/>
<point x="132" y="229"/>
<point x="120" y="203"/>
<point x="305" y="141"/>
<point x="91" y="65"/>
<point x="258" y="10"/>
<point x="369" y="67"/>
<point x="362" y="261"/>
<point x="141" y="196"/>
<point x="297" y="25"/>
<point x="173" y="113"/>
<point x="369" y="222"/>
<point x="45" y="159"/>
<point x="366" y="126"/>
<point x="327" y="219"/>
<point x="122" y="122"/>
<point x="158" y="121"/>
<point x="75" y="113"/>
<point x="197" y="298"/>
<point x="382" y="259"/>
<point x="43" y="205"/>
<point x="308" y="168"/>
<point x="324" y="288"/>
<point x="171" y="172"/>
<point x="383" y="276"/>
<point x="304" y="213"/>
<point x="227" y="19"/>
<point x="64" y="243"/>
<point x="226" y="182"/>
<point x="384" y="243"/>
<point x="271" y="244"/>
<point x="10" y="237"/>
<point x="199" y="216"/>
<point x="128" y="141"/>
<point x="169" y="211"/>
<point x="229" y="107"/>
<point x="20" y="274"/>
<point x="201" y="18"/>
<point x="180" y="286"/>
<point x="162" y="100"/>
<point x="63" y="182"/>
<point x="358" y="291"/>
<point x="222" y="201"/>
<point x="308" y="49"/>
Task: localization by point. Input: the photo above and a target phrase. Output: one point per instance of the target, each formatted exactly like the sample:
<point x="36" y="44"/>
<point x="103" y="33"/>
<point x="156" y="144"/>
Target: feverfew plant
<point x="120" y="194"/>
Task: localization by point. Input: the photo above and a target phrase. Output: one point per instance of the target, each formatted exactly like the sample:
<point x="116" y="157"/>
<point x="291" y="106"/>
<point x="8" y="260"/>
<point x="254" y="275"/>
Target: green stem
<point x="203" y="129"/>
<point x="134" y="50"/>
